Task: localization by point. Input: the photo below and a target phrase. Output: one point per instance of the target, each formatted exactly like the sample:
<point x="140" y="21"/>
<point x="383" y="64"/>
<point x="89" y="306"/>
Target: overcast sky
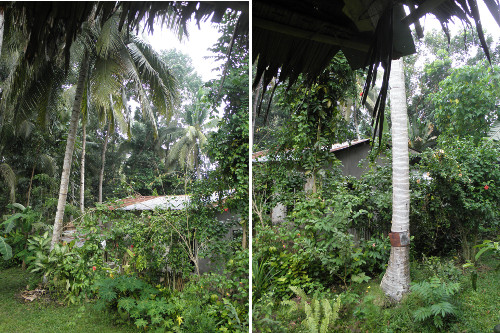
<point x="196" y="45"/>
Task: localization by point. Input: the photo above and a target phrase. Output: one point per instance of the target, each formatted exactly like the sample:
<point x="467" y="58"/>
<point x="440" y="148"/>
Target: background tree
<point x="116" y="60"/>
<point x="187" y="150"/>
<point x="467" y="101"/>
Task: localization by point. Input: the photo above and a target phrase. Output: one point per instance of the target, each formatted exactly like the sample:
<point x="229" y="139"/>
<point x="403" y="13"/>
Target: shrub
<point x="133" y="300"/>
<point x="460" y="200"/>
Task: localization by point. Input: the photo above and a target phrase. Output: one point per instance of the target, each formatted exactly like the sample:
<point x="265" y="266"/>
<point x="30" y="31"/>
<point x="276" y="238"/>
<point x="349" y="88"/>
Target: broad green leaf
<point x="5" y="249"/>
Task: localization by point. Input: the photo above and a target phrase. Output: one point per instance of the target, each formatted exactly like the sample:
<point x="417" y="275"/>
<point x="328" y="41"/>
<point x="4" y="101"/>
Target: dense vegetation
<point x="319" y="270"/>
<point x="146" y="125"/>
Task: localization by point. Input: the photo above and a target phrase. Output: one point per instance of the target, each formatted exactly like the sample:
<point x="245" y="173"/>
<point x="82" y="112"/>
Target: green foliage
<point x="372" y="204"/>
<point x="437" y="301"/>
<point x="325" y="223"/>
<point x="264" y="318"/>
<point x="458" y="203"/>
<point x="262" y="276"/>
<point x="133" y="300"/>
<point x="228" y="147"/>
<point x="17" y="229"/>
<point x="465" y="102"/>
<point x="321" y="314"/>
<point x="486" y="247"/>
<point x="291" y="267"/>
<point x="316" y="115"/>
<point x="209" y="303"/>
<point x="376" y="251"/>
<point x="446" y="269"/>
<point x="68" y="269"/>
<point x="5" y="249"/>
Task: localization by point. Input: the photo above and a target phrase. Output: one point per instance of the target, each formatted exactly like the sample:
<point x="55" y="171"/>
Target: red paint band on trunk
<point x="399" y="239"/>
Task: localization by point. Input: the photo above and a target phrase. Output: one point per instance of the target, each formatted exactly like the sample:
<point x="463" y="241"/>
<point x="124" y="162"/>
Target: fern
<point x="320" y="314"/>
<point x="437" y="297"/>
<point x="141" y="323"/>
<point x="126" y="303"/>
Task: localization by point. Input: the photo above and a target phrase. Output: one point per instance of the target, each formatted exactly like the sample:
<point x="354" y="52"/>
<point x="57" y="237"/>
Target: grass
<point x="46" y="316"/>
<point x="478" y="311"/>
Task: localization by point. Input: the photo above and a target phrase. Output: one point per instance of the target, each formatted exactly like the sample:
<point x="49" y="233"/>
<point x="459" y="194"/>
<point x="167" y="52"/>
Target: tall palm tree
<point x="396" y="280"/>
<point x="186" y="152"/>
<point x="115" y="59"/>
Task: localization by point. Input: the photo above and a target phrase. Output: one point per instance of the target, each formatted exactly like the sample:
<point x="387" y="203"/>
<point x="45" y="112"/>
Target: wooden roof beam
<point x="311" y="35"/>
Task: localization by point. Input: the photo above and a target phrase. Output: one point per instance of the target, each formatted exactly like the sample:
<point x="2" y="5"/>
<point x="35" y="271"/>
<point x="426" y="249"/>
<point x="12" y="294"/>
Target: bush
<point x="460" y="201"/>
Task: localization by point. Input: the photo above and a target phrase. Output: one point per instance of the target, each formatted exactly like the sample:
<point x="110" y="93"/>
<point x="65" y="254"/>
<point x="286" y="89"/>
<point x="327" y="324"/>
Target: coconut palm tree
<point x="396" y="280"/>
<point x="186" y="152"/>
<point x="115" y="59"/>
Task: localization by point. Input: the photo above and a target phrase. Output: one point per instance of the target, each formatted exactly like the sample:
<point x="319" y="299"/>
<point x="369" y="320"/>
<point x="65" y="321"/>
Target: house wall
<point x="205" y="264"/>
<point x="350" y="158"/>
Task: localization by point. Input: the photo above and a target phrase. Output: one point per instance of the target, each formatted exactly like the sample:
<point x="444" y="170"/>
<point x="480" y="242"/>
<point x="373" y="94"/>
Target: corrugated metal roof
<point x="175" y="202"/>
<point x="262" y="156"/>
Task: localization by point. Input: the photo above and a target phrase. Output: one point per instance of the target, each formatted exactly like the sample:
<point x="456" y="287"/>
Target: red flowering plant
<point x="459" y="200"/>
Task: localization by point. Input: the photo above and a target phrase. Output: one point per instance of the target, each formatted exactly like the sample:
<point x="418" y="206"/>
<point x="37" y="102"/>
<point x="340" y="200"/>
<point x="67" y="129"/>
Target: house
<point x="179" y="202"/>
<point x="350" y="155"/>
<point x="138" y="204"/>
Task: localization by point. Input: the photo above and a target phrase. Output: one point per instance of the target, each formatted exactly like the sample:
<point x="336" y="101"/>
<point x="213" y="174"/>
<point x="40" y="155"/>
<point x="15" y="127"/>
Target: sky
<point x="196" y="45"/>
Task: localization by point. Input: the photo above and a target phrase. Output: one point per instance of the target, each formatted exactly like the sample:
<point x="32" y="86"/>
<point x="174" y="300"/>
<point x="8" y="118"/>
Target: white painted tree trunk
<point x="68" y="155"/>
<point x="396" y="281"/>
<point x="103" y="161"/>
<point x="82" y="169"/>
<point x="2" y="24"/>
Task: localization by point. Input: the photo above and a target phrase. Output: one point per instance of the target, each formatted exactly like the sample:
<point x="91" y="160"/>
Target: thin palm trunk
<point x="31" y="183"/>
<point x="2" y="24"/>
<point x="396" y="280"/>
<point x="68" y="155"/>
<point x="82" y="168"/>
<point x="103" y="161"/>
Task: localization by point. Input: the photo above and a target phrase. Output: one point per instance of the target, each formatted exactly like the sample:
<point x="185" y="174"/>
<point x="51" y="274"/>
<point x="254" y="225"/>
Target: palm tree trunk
<point x="31" y="183"/>
<point x="82" y="169"/>
<point x="396" y="280"/>
<point x="2" y="24"/>
<point x="103" y="160"/>
<point x="68" y="155"/>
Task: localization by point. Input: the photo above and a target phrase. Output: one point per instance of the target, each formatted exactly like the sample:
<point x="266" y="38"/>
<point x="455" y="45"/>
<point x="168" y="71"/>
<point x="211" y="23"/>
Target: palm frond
<point x="153" y="71"/>
<point x="133" y="74"/>
<point x="494" y="133"/>
<point x="26" y="128"/>
<point x="118" y="115"/>
<point x="47" y="164"/>
<point x="38" y="95"/>
<point x="110" y="39"/>
<point x="9" y="177"/>
<point x="105" y="80"/>
<point x="175" y="152"/>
